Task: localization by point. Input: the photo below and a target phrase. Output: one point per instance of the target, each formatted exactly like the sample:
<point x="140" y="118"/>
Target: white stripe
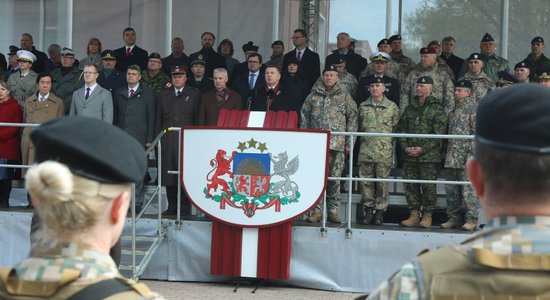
<point x="249" y="254"/>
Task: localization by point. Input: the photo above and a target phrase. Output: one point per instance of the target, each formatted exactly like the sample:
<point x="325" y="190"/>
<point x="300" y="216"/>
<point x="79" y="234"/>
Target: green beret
<point x="425" y="80"/>
<point x="464" y="84"/>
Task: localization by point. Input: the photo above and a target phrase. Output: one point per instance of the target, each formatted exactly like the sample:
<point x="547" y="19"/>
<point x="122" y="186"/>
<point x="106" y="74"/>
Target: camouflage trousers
<point x="420" y="195"/>
<point x="335" y="168"/>
<point x="456" y="194"/>
<point x="375" y="194"/>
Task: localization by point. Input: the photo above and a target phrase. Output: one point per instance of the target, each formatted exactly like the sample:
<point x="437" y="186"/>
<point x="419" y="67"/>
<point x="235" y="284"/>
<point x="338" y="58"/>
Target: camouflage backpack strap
<point x="16" y="286"/>
<point x="113" y="289"/>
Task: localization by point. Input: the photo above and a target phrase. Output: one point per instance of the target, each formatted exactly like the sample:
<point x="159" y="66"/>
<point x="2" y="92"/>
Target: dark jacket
<point x="170" y="61"/>
<point x="135" y="115"/>
<point x="209" y="109"/>
<point x="275" y="100"/>
<point x="309" y="64"/>
<point x="392" y="92"/>
<point x="454" y="62"/>
<point x="213" y="60"/>
<point x="112" y="82"/>
<point x="138" y="57"/>
<point x="355" y="63"/>
<point x="240" y="85"/>
<point x="63" y="86"/>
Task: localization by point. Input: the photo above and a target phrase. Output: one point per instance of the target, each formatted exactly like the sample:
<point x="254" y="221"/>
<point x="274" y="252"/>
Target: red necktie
<point x="299" y="56"/>
<point x="131" y="93"/>
<point x="128" y="51"/>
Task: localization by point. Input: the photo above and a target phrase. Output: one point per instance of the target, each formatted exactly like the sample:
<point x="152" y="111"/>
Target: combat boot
<point x="452" y="223"/>
<point x="470" y="225"/>
<point x="334" y="216"/>
<point x="368" y="215"/>
<point x="379" y="217"/>
<point x="413" y="220"/>
<point x="315" y="216"/>
<point x="426" y="220"/>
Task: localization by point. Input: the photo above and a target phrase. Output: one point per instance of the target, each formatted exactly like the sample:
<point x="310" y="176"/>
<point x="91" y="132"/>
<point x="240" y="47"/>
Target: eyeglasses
<point x="253" y="62"/>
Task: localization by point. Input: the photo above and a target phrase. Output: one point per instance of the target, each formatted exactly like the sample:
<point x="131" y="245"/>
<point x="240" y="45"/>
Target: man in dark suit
<point x="380" y="65"/>
<point x="272" y="96"/>
<point x="355" y="63"/>
<point x="130" y="53"/>
<point x="177" y="57"/>
<point x="27" y="43"/>
<point x="453" y="61"/>
<point x="242" y="68"/>
<point x="310" y="65"/>
<point x="248" y="84"/>
<point x="213" y="59"/>
<point x="134" y="112"/>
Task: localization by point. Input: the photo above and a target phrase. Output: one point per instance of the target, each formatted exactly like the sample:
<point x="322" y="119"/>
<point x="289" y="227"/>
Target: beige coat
<point x="38" y="112"/>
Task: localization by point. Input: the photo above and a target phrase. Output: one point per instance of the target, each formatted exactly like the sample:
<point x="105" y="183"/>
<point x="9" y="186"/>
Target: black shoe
<point x="170" y="212"/>
<point x="379" y="217"/>
<point x="368" y="215"/>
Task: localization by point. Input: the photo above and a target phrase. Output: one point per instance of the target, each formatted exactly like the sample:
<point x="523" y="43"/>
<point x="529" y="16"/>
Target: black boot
<point x="379" y="217"/>
<point x="368" y="215"/>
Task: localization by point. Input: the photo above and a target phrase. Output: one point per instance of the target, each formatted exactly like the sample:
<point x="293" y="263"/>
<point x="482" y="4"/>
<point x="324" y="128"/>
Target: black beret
<point x="278" y="42"/>
<point x="425" y="80"/>
<point x="108" y="54"/>
<point x="396" y="37"/>
<point x="487" y="38"/>
<point x="336" y="59"/>
<point x="506" y="78"/>
<point x="464" y="84"/>
<point x="537" y="39"/>
<point x="13" y="50"/>
<point x="373" y="79"/>
<point x="250" y="47"/>
<point x="383" y="42"/>
<point x="91" y="148"/>
<point x="515" y="119"/>
<point x="199" y="60"/>
<point x="329" y="67"/>
<point x="475" y="56"/>
<point x="522" y="64"/>
<point x="155" y="55"/>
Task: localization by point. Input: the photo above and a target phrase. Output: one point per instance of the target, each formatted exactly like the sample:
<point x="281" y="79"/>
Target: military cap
<point x="108" y="55"/>
<point x="380" y="56"/>
<point x="352" y="41"/>
<point x="336" y="60"/>
<point x="199" y="60"/>
<point x="487" y="38"/>
<point x="464" y="84"/>
<point x="155" y="55"/>
<point x="250" y="47"/>
<point x="176" y="70"/>
<point x="329" y="67"/>
<point x="383" y="42"/>
<point x="277" y="43"/>
<point x="373" y="79"/>
<point x="500" y="124"/>
<point x="475" y="56"/>
<point x="13" y="50"/>
<point x="425" y="80"/>
<point x="396" y="37"/>
<point x="434" y="43"/>
<point x="537" y="39"/>
<point x="505" y="78"/>
<point x="545" y="75"/>
<point x="522" y="64"/>
<point x="67" y="52"/>
<point x="91" y="148"/>
<point x="427" y="50"/>
<point x="25" y="55"/>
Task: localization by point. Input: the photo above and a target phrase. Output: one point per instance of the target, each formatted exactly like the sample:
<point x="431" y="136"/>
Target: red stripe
<point x="221" y="117"/>
<point x="274" y="246"/>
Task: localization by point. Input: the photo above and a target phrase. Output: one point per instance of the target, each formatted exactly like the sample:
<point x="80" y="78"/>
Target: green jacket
<point x="427" y="119"/>
<point x="381" y="118"/>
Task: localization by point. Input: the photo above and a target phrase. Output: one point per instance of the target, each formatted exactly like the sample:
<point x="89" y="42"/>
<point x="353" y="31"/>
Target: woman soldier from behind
<point x="81" y="189"/>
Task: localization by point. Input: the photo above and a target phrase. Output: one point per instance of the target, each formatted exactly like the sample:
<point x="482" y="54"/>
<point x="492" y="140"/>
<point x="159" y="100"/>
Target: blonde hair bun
<point x="50" y="182"/>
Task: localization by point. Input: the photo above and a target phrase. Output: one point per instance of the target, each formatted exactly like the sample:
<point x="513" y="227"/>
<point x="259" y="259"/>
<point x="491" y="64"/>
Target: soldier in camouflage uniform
<point x="492" y="63"/>
<point x="405" y="63"/>
<point x="461" y="122"/>
<point x="376" y="114"/>
<point x="441" y="63"/>
<point x="443" y="87"/>
<point x="393" y="68"/>
<point x="81" y="188"/>
<point x="421" y="157"/>
<point x="481" y="83"/>
<point x="345" y="79"/>
<point x="329" y="106"/>
<point x="508" y="258"/>
<point x="153" y="76"/>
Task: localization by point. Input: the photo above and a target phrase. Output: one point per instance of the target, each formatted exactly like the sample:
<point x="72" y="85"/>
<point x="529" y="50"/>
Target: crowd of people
<point x="144" y="93"/>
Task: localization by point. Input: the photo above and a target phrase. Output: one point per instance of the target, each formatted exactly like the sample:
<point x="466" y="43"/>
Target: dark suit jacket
<point x="455" y="63"/>
<point x="392" y="89"/>
<point x="209" y="108"/>
<point x="135" y="115"/>
<point x="169" y="61"/>
<point x="213" y="60"/>
<point x="355" y="63"/>
<point x="138" y="57"/>
<point x="310" y="65"/>
<point x="115" y="80"/>
<point x="283" y="100"/>
<point x="240" y="85"/>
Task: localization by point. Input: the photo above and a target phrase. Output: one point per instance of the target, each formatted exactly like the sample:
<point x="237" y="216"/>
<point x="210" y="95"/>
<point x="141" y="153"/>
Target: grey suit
<point x="99" y="104"/>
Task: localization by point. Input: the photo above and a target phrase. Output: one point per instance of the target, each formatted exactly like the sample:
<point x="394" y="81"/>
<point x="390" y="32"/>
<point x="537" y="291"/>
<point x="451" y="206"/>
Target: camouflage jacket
<point x="461" y="122"/>
<point x="443" y="88"/>
<point x="427" y="119"/>
<point x="494" y="65"/>
<point x="334" y="111"/>
<point x="377" y="117"/>
<point x="50" y="262"/>
<point x="346" y="80"/>
<point x="156" y="82"/>
<point x="509" y="235"/>
<point x="482" y="84"/>
<point x="392" y="70"/>
<point x="406" y="64"/>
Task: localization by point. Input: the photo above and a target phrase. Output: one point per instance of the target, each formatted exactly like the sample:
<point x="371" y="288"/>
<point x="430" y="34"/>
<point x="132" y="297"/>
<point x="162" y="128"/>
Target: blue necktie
<point x="251" y="81"/>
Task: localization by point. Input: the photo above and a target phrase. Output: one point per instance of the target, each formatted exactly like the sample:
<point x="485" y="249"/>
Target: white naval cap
<point x="26" y="56"/>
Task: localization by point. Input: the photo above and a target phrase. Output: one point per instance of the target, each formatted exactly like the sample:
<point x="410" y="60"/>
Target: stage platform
<point x="331" y="262"/>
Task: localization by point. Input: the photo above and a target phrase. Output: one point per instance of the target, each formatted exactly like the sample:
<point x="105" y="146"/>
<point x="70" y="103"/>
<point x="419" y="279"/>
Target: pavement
<point x="266" y="291"/>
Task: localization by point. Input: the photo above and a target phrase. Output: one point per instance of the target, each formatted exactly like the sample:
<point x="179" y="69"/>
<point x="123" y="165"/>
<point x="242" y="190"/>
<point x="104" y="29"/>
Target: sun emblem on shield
<point x="252" y="173"/>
